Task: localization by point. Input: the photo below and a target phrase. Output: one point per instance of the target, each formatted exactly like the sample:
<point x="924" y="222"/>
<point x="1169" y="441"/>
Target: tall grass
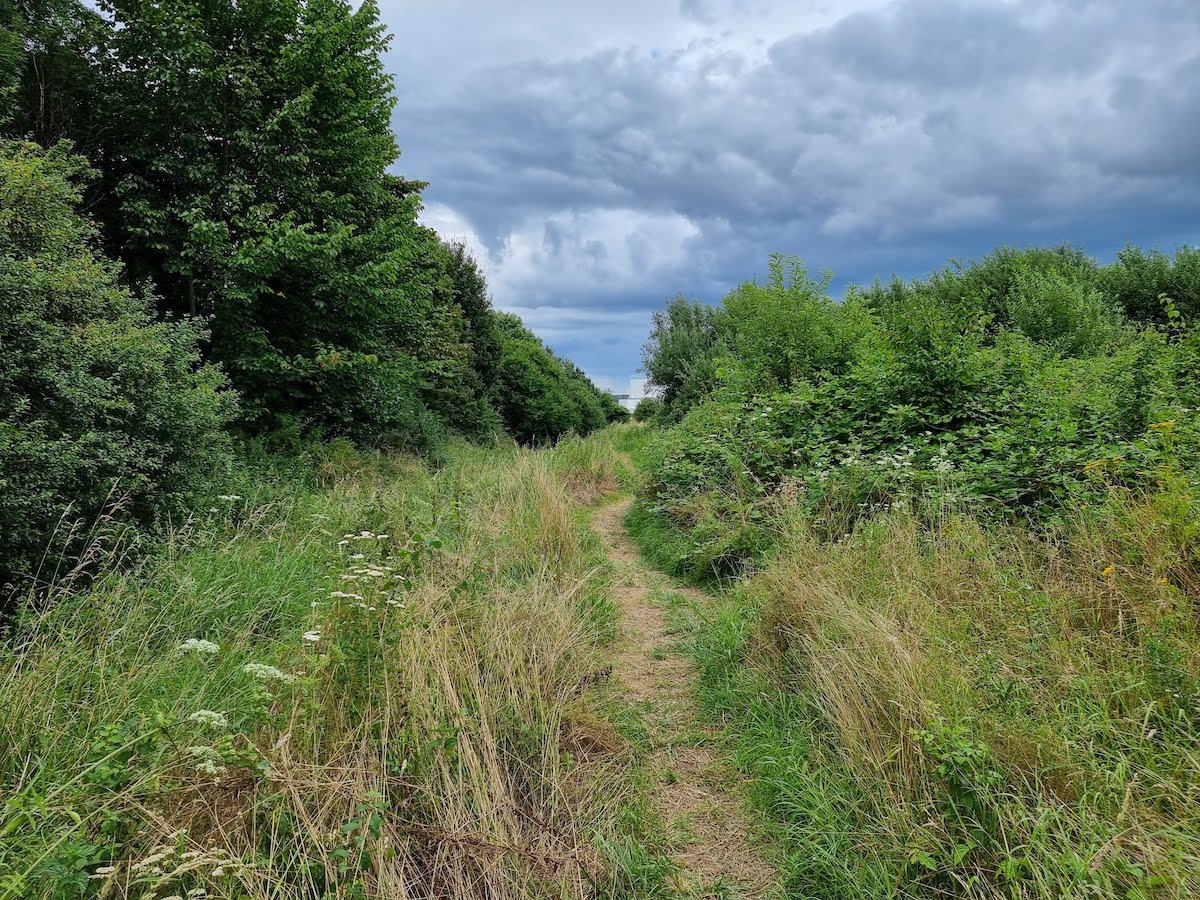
<point x="968" y="711"/>
<point x="381" y="683"/>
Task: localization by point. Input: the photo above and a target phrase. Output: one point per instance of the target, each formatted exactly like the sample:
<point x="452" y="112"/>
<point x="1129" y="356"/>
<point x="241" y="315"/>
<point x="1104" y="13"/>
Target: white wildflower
<point x="198" y="645"/>
<point x="343" y="595"/>
<point x="209" y="718"/>
<point x="359" y="556"/>
<point x="229" y="497"/>
<point x="312" y="636"/>
<point x="264" y="672"/>
<point x="342" y="543"/>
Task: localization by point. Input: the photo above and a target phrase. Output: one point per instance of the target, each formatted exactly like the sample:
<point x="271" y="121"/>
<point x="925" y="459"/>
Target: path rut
<point x="692" y="791"/>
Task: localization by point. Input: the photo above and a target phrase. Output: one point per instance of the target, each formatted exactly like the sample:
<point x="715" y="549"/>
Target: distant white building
<point x="637" y="391"/>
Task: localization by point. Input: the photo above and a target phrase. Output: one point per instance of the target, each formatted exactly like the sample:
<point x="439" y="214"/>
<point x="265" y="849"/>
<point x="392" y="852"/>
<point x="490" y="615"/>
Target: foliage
<point x="680" y="355"/>
<point x="55" y="88"/>
<point x="1139" y="282"/>
<point x="474" y="414"/>
<point x="99" y="404"/>
<point x="789" y="330"/>
<point x="250" y="187"/>
<point x="648" y="409"/>
<point x="541" y="397"/>
<point x="245" y="153"/>
<point x="1013" y="387"/>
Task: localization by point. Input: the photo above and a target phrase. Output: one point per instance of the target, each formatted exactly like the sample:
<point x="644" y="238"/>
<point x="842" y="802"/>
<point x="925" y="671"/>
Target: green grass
<point x="419" y="740"/>
<point x="968" y="711"/>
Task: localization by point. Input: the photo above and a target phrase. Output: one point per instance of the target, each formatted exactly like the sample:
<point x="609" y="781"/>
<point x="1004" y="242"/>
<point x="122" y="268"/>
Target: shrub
<point x="97" y="401"/>
<point x="647" y="408"/>
<point x="1013" y="386"/>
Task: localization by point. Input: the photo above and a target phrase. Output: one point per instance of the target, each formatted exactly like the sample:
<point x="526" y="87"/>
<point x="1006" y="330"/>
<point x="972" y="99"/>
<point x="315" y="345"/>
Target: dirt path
<point x="703" y="816"/>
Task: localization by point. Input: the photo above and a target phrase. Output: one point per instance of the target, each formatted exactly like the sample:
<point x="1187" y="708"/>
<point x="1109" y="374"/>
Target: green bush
<point x="541" y="397"/>
<point x="99" y="404"/>
<point x="1014" y="386"/>
<point x="647" y="409"/>
<point x="680" y="356"/>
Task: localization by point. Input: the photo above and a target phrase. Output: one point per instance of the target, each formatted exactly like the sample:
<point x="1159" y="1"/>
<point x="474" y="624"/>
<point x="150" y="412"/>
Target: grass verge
<point x="967" y="711"/>
<point x="365" y="679"/>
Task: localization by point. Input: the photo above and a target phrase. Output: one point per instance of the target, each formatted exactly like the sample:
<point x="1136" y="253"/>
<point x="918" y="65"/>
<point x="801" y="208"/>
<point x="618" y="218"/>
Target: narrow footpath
<point x="694" y="794"/>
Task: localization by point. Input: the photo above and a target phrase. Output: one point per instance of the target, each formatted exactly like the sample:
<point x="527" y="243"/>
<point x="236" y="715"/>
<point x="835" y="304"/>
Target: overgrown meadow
<point x="357" y="677"/>
<point x="953" y="524"/>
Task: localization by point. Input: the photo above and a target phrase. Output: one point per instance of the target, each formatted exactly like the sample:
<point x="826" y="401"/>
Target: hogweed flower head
<point x="264" y="672"/>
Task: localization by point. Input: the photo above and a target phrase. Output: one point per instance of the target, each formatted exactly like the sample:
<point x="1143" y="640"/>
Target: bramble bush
<point x="1014" y="387"/>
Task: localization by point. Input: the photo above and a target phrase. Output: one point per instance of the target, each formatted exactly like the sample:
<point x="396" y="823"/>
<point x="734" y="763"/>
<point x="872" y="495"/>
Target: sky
<point x="601" y="157"/>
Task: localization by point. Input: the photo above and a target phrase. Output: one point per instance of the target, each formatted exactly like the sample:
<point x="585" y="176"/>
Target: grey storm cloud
<point x="640" y="149"/>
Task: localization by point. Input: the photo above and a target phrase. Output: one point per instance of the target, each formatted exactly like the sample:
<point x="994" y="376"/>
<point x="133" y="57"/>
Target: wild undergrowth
<point x="953" y="525"/>
<point x="376" y="680"/>
<point x="959" y="709"/>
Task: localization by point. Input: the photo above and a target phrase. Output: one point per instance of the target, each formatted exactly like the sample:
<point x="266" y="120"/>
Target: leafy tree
<point x="48" y="52"/>
<point x="686" y="338"/>
<point x="11" y="57"/>
<point x="1138" y="281"/>
<point x="474" y="412"/>
<point x="789" y="329"/>
<point x="98" y="402"/>
<point x="247" y="168"/>
<point x="542" y="397"/>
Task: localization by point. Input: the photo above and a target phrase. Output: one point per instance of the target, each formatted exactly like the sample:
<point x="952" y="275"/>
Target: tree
<point x="541" y="397"/>
<point x="48" y="55"/>
<point x="98" y="402"/>
<point x="247" y="179"/>
<point x="680" y="356"/>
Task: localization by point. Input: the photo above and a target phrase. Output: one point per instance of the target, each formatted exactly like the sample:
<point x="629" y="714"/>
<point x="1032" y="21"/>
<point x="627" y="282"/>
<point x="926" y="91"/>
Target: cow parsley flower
<point x="199" y="646"/>
<point x="312" y="636"/>
<point x="209" y="718"/>
<point x="264" y="672"/>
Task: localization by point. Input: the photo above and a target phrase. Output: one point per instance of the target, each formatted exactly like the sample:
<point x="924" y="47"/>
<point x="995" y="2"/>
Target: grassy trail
<point x="693" y="794"/>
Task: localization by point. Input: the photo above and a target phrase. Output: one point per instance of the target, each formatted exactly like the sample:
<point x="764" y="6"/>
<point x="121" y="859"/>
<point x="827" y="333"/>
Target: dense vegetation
<point x="951" y="524"/>
<point x="355" y="677"/>
<point x="202" y="234"/>
<point x="1017" y="387"/>
<point x="962" y="657"/>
